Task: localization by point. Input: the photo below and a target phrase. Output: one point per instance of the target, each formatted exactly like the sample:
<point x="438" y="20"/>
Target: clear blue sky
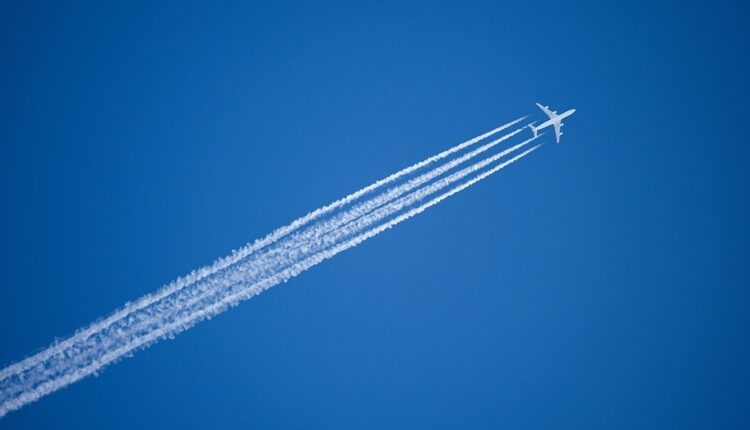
<point x="600" y="283"/>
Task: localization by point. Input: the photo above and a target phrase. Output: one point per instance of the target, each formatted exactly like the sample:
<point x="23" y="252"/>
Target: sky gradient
<point x="598" y="283"/>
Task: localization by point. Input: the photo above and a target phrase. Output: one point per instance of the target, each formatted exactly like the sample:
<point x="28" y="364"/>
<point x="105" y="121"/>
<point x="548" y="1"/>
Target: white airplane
<point x="554" y="119"/>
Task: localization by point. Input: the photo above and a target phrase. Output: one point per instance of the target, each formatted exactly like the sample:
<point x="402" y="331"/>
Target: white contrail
<point x="237" y="255"/>
<point x="218" y="307"/>
<point x="212" y="308"/>
<point x="281" y="255"/>
<point x="102" y="340"/>
<point x="285" y="252"/>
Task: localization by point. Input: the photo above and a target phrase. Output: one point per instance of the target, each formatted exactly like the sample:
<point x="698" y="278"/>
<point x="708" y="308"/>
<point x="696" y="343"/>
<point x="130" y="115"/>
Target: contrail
<point x="86" y="348"/>
<point x="280" y="256"/>
<point x="237" y="255"/>
<point x="274" y="265"/>
<point x="235" y="298"/>
<point x="285" y="253"/>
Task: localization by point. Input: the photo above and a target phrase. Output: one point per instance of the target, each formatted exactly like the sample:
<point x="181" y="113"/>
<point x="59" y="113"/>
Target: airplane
<point x="554" y="119"/>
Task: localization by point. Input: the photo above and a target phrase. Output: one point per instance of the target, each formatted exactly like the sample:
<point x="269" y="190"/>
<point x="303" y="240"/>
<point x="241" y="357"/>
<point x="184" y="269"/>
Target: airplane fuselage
<point x="556" y="119"/>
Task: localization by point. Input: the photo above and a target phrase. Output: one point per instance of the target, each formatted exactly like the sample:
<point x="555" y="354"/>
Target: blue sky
<point x="598" y="283"/>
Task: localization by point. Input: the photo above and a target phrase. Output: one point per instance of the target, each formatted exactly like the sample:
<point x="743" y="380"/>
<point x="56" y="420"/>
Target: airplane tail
<point x="533" y="129"/>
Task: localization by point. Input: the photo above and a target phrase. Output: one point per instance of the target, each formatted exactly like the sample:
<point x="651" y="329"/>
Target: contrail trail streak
<point x="346" y="217"/>
<point x="237" y="255"/>
<point x="83" y="350"/>
<point x="279" y="256"/>
<point x="320" y="234"/>
<point x="246" y="276"/>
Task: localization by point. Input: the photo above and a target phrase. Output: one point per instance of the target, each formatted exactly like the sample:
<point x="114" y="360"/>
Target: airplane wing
<point x="558" y="124"/>
<point x="547" y="111"/>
